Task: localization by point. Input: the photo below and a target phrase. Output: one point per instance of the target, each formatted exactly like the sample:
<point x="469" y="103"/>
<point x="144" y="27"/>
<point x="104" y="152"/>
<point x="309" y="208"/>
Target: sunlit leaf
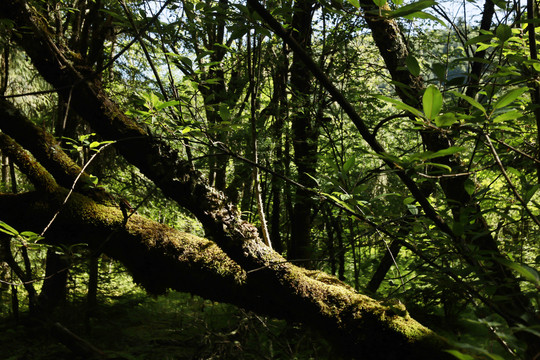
<point x="446" y="120"/>
<point x="411" y="8"/>
<point x="460" y="355"/>
<point x="5" y="228"/>
<point x="527" y="272"/>
<point x="510" y="115"/>
<point x="470" y="100"/>
<point x="503" y="32"/>
<point x="355" y="3"/>
<point x="483" y="47"/>
<point x="94" y="144"/>
<point x="432" y="102"/>
<point x="510" y="96"/>
<point x="400" y="105"/>
<point x="167" y="104"/>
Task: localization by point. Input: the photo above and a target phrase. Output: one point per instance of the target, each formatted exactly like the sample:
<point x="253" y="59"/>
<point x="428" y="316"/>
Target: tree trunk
<point x="53" y="292"/>
<point x="305" y="135"/>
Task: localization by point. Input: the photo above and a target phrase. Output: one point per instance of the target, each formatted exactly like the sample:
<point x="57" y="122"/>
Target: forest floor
<point x="174" y="326"/>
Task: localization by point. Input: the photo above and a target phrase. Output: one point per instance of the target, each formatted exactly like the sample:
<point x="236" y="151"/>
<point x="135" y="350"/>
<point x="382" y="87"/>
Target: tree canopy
<point x="367" y="168"/>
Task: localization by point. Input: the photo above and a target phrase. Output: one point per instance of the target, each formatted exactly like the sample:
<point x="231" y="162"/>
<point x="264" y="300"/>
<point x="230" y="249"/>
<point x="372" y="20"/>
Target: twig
<point x="73" y="188"/>
<point x="508" y="180"/>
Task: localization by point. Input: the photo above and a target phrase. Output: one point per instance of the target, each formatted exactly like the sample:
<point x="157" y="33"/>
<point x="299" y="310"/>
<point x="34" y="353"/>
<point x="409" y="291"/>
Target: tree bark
<point x="53" y="292"/>
<point x="305" y="135"/>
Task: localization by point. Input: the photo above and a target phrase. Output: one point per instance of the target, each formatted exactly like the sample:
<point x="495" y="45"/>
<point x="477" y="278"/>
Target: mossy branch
<point x="28" y="165"/>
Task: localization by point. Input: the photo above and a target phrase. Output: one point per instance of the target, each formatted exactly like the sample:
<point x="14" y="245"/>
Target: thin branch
<point x="338" y="96"/>
<point x="145" y="50"/>
<point x="73" y="187"/>
<point x="517" y="150"/>
<point x="508" y="180"/>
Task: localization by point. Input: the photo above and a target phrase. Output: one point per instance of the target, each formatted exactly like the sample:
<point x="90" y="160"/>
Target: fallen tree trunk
<point x="161" y="258"/>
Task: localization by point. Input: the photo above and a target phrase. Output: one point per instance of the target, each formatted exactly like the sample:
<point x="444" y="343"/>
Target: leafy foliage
<point x="211" y="80"/>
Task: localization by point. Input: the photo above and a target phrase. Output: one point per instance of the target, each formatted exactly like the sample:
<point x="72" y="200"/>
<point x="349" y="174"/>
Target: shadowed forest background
<point x="185" y="179"/>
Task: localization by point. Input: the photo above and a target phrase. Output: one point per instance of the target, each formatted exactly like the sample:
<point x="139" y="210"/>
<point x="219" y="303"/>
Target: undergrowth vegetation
<point x="128" y="324"/>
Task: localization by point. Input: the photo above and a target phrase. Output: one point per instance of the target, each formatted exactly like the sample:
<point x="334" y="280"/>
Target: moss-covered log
<point x="162" y="258"/>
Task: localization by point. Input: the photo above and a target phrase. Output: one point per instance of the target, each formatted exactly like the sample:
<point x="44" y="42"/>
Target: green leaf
<point x="478" y="39"/>
<point x="5" y="228"/>
<point x="379" y="3"/>
<point x="400" y="105"/>
<point x="469" y="186"/>
<point x="446" y="120"/>
<point x="513" y="171"/>
<point x="432" y="102"/>
<point x="94" y="179"/>
<point x="408" y="200"/>
<point x="224" y="112"/>
<point x="448" y="151"/>
<point x="439" y="70"/>
<point x="509" y="115"/>
<point x="355" y="3"/>
<point x="458" y="228"/>
<point x="412" y="209"/>
<point x="503" y="32"/>
<point x="500" y="3"/>
<point x="338" y="201"/>
<point x="348" y="164"/>
<point x="483" y="47"/>
<point x="412" y="65"/>
<point x="32" y="236"/>
<point x="424" y="15"/>
<point x="411" y="8"/>
<point x="534" y="63"/>
<point x="440" y="166"/>
<point x="459" y="355"/>
<point x="470" y="100"/>
<point x="94" y="144"/>
<point x="530" y="193"/>
<point x="510" y="96"/>
<point x="167" y="104"/>
<point x="528" y="273"/>
<point x="424" y="155"/>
